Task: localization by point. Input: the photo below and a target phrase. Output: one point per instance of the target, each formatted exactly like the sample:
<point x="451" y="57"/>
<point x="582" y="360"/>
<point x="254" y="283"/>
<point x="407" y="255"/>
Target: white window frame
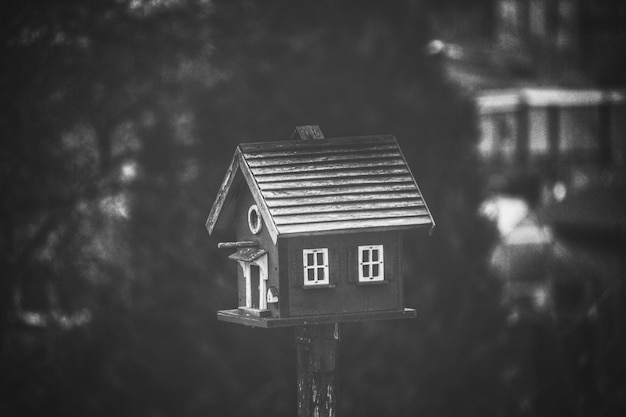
<point x="315" y="267"/>
<point x="255" y="222"/>
<point x="369" y="263"/>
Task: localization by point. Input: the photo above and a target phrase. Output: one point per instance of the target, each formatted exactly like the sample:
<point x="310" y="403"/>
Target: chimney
<point x="307" y="132"/>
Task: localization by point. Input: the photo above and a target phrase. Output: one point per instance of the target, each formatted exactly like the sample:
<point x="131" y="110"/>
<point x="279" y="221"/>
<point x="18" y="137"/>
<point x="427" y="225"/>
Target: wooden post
<point x="317" y="349"/>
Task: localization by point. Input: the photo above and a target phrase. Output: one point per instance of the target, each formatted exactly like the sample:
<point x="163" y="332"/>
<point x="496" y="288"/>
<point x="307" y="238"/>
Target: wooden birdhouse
<point x="318" y="227"/>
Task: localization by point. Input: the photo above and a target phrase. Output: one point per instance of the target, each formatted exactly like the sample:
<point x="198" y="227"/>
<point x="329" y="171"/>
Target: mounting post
<point x="317" y="351"/>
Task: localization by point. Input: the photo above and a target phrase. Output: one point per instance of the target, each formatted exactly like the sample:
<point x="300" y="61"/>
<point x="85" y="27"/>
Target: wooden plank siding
<point x="306" y="158"/>
<point x="345" y="216"/>
<point x="306" y="175"/>
<point x="327" y="166"/>
<point x="373" y="224"/>
<point x="344" y="294"/>
<point x="333" y="182"/>
<point x="342" y="199"/>
<point x="365" y="188"/>
<point x="347" y="206"/>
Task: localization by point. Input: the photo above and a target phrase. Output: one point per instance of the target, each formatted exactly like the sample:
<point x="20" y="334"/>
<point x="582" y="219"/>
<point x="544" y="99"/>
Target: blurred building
<point x="561" y="34"/>
<point x="558" y="140"/>
<point x="562" y="259"/>
<point x="550" y="90"/>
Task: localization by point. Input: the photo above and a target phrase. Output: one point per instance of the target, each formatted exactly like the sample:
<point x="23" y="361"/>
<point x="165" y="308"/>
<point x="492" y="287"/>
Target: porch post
<point x="317" y="350"/>
<point x="262" y="264"/>
<point x="246" y="273"/>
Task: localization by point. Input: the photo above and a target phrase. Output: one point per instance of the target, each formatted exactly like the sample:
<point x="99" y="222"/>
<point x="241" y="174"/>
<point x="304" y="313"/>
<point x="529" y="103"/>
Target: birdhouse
<point x="318" y="226"/>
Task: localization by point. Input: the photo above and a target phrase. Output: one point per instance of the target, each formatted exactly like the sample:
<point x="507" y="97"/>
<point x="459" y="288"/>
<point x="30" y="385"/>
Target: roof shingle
<point x="325" y="185"/>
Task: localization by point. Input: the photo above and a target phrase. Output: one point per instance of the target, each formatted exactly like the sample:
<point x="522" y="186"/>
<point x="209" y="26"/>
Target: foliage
<point x="118" y="121"/>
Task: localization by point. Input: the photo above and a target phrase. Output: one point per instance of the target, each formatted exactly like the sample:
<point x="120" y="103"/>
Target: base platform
<point x="240" y="317"/>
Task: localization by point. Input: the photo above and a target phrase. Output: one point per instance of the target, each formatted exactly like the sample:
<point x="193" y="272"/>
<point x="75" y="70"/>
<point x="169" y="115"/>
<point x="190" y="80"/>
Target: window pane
<point x="375" y="270"/>
<point x="366" y="271"/>
<point x="366" y="255"/>
<point x="374" y="255"/>
<point x="315" y="266"/>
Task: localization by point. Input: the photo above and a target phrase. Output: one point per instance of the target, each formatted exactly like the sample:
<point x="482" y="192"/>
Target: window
<point x="254" y="219"/>
<point x="371" y="265"/>
<point x="315" y="266"/>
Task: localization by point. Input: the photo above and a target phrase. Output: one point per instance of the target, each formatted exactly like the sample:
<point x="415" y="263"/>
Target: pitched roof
<point x="248" y="254"/>
<point x="326" y="185"/>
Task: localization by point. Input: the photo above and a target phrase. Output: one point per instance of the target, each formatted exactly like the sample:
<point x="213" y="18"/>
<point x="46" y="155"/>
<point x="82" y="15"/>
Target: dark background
<point x="118" y="120"/>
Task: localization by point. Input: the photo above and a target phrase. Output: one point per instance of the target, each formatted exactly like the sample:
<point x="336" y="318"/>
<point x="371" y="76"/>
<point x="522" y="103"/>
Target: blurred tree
<point x="118" y="119"/>
<point x="93" y="120"/>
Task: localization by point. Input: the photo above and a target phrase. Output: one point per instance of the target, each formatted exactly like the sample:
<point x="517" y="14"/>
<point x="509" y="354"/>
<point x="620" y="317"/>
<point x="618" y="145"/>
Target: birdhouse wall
<point x="344" y="293"/>
<point x="264" y="240"/>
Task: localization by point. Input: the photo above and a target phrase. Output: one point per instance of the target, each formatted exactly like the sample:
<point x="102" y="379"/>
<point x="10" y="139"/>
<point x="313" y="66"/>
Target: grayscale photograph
<point x="407" y="208"/>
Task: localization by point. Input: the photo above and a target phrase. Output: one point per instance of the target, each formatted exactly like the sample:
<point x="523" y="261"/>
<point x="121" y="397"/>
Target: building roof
<point x="509" y="100"/>
<point x="316" y="186"/>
